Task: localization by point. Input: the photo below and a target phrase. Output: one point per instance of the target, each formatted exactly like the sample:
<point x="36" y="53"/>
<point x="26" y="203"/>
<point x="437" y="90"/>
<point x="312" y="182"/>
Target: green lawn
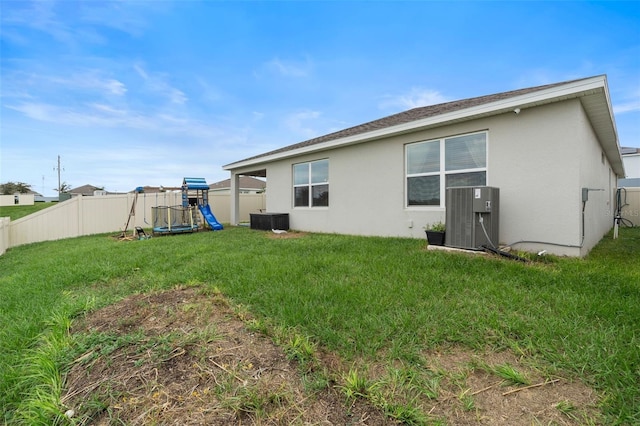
<point x="16" y="212"/>
<point x="377" y="299"/>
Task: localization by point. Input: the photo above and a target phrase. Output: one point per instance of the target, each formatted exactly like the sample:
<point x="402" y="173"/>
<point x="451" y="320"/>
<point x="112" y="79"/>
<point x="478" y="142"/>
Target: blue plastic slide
<point x="210" y="218"/>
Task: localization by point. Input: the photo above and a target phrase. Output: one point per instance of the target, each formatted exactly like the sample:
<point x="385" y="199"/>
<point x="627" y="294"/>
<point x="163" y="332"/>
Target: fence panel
<point x="630" y="198"/>
<point x="108" y="213"/>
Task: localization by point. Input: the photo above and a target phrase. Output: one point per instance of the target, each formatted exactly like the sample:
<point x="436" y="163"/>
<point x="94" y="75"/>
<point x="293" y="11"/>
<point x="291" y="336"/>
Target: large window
<point x="435" y="165"/>
<point x="311" y="184"/>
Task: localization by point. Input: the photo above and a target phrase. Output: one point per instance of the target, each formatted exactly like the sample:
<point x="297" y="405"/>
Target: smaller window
<point x="311" y="184"/>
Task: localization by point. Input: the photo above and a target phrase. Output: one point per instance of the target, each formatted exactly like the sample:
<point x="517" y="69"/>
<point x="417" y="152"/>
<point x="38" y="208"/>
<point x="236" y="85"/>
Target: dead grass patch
<point x="186" y="357"/>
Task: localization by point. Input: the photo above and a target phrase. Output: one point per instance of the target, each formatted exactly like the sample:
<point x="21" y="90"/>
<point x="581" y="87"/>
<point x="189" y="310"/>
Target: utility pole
<point x="59" y="184"/>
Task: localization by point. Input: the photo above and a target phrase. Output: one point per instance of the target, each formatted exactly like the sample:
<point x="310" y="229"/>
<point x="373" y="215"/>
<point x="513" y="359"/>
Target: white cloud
<point x="415" y="97"/>
<point x="631" y="106"/>
<point x="290" y="68"/>
<point x="297" y="123"/>
<point x="115" y="87"/>
<point x="39" y="15"/>
<point x="141" y="72"/>
<point x="630" y="100"/>
<point x="103" y="115"/>
<point x="157" y="84"/>
<point x="38" y="85"/>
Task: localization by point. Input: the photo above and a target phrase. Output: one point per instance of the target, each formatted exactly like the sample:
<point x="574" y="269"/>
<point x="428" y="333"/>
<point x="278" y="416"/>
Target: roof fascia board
<point x="618" y="164"/>
<point x="567" y="91"/>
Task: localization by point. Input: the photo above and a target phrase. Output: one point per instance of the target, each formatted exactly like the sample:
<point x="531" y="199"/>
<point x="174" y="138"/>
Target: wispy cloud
<point x="158" y="84"/>
<point x="37" y="85"/>
<point x="72" y="24"/>
<point x="103" y="115"/>
<point x="290" y="68"/>
<point x="630" y="101"/>
<point x="129" y="17"/>
<point x="415" y="97"/>
<point x="39" y="16"/>
<point x="298" y="123"/>
<point x="631" y="106"/>
<point x="92" y="80"/>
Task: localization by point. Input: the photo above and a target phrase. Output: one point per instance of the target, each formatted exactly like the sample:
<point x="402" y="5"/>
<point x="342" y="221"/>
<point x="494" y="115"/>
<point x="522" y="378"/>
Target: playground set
<point x="181" y="218"/>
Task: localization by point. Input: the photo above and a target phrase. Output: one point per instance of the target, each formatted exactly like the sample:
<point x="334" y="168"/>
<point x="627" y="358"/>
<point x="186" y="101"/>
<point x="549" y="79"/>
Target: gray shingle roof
<point x="246" y="182"/>
<point x="411" y="115"/>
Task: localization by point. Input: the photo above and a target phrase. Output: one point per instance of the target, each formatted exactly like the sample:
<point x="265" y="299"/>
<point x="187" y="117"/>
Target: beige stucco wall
<point x="540" y="159"/>
<point x="632" y="165"/>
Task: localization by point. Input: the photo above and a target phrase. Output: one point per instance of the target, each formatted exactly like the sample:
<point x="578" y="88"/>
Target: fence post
<point x="80" y="216"/>
<point x="4" y="234"/>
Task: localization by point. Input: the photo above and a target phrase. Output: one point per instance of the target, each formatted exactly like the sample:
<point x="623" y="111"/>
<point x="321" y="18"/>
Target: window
<point x="311" y="184"/>
<point x="435" y="165"/>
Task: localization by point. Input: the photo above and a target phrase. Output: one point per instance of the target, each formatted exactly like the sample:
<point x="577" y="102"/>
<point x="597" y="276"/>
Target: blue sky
<point x="133" y="93"/>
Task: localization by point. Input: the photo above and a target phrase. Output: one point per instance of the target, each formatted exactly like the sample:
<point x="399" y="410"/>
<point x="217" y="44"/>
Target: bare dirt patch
<point x="186" y="357"/>
<point x="285" y="235"/>
<point x="477" y="392"/>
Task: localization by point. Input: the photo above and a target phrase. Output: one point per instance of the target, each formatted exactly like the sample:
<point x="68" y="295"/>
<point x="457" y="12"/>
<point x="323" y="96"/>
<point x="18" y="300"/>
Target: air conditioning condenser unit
<point x="472" y="217"/>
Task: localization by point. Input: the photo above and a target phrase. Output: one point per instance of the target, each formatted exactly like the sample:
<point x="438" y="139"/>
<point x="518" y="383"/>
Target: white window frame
<point x="309" y="184"/>
<point x="443" y="173"/>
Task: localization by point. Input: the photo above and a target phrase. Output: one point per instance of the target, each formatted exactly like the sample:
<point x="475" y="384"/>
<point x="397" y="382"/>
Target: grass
<point x="16" y="212"/>
<point x="371" y="300"/>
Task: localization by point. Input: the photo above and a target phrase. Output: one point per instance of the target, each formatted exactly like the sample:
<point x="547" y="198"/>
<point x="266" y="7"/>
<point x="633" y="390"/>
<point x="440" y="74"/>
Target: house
<point x="247" y="185"/>
<point x="552" y="151"/>
<point x="16" y="194"/>
<point x="87" y="191"/>
<point x="631" y="160"/>
<point x="154" y="189"/>
<point x="18" y="199"/>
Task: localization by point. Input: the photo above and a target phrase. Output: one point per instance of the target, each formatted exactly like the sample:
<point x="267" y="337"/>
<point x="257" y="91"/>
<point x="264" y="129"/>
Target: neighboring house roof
<point x="626" y="150"/>
<point x="154" y="189"/>
<point x="592" y="92"/>
<point x="86" y="190"/>
<point x="246" y="183"/>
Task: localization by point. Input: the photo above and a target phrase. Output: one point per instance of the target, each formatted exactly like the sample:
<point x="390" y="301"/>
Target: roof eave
<point x="605" y="129"/>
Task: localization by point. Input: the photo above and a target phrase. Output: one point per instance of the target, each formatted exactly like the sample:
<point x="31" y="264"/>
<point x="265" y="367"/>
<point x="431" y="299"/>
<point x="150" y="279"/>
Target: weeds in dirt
<point x="355" y="385"/>
<point x="301" y="349"/>
<point x="567" y="408"/>
<point x="42" y="378"/>
<point x="508" y="373"/>
<point x="468" y="403"/>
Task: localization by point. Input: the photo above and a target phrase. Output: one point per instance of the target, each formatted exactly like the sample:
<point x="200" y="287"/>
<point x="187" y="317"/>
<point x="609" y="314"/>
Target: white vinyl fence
<point x="108" y="213"/>
<point x="630" y="200"/>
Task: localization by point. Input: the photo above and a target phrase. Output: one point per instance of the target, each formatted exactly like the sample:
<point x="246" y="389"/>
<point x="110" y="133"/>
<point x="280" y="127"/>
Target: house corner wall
<point x="533" y="160"/>
<point x="599" y="182"/>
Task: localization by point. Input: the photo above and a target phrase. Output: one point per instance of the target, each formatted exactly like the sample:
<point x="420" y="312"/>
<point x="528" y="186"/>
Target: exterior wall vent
<point x="472" y="217"/>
